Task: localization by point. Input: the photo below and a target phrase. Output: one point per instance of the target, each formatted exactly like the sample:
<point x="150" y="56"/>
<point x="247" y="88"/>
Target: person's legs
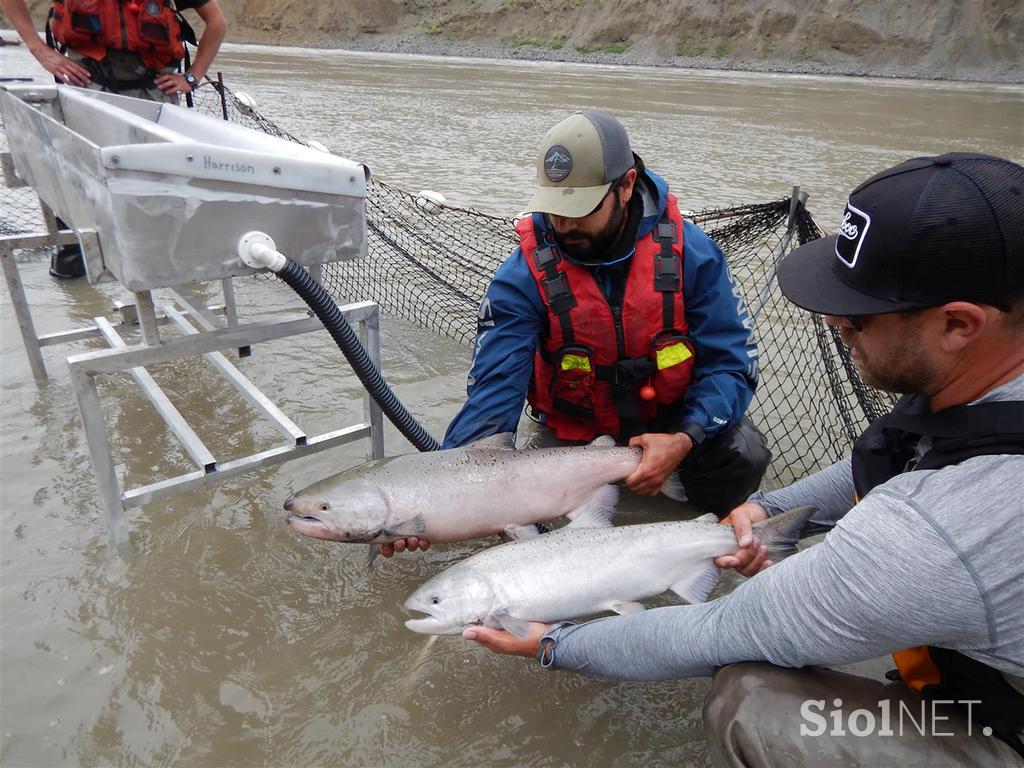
<point x="67" y="261"/>
<point x="722" y="472"/>
<point x="758" y="715"/>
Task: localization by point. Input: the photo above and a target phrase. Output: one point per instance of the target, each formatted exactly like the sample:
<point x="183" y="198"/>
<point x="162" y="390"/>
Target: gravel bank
<point x="434" y="45"/>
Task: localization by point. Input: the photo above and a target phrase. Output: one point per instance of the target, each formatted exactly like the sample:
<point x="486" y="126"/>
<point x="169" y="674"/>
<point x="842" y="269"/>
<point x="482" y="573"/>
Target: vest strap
<point x="666" y="271"/>
<point x="557" y="292"/>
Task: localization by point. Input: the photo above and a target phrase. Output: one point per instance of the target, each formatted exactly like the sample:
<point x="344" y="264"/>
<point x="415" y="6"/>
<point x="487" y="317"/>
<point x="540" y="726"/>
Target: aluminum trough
<point x="169" y="191"/>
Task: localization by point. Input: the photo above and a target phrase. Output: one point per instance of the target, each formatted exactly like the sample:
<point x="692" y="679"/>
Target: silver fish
<point x="579" y="571"/>
<point x="482" y="489"/>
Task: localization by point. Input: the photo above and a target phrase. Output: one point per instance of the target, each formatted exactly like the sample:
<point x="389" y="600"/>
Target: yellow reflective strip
<point x="575" y="363"/>
<point x="673" y="354"/>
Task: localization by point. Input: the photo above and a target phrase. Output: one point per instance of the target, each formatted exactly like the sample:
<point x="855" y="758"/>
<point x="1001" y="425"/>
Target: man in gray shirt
<point x="925" y="559"/>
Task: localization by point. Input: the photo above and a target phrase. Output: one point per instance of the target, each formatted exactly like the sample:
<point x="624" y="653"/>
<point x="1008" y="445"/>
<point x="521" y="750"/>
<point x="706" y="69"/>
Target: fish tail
<point x="780" y="534"/>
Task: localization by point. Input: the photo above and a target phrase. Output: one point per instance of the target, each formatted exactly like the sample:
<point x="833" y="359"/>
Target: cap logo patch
<point x="557" y="163"/>
<point x="852" y="232"/>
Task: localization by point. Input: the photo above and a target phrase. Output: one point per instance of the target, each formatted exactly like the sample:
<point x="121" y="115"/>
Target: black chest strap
<point x="888" y="446"/>
<point x="667" y="271"/>
<point x="558" y="295"/>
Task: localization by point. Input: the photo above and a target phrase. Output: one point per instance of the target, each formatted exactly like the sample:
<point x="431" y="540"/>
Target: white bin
<point x="170" y="191"/>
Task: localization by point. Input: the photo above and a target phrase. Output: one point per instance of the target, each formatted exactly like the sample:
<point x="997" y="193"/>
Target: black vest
<point x="889" y="447"/>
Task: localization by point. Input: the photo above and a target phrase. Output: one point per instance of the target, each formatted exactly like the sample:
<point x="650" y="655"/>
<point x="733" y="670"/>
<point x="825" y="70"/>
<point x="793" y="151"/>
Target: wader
<point x="753" y="716"/>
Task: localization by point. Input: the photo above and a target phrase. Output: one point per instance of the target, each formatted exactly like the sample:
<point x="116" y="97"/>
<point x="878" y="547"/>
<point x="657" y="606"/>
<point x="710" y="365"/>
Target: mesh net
<point x="431" y="263"/>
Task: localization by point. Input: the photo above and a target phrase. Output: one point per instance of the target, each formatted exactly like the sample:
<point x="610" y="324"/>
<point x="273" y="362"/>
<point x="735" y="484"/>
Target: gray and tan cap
<point x="577" y="162"/>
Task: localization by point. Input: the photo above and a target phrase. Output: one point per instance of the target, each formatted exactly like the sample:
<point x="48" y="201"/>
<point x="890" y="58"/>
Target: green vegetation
<point x="620" y="47"/>
<point x="536" y="42"/>
<point x="722" y="50"/>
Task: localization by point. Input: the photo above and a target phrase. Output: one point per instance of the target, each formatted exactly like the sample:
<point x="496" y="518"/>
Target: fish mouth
<point x="314" y="527"/>
<point x="431" y="625"/>
<point x="311" y="526"/>
<point x="427" y="623"/>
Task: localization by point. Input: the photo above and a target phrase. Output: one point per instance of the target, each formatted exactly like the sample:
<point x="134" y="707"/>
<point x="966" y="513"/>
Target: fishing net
<point x="430" y="264"/>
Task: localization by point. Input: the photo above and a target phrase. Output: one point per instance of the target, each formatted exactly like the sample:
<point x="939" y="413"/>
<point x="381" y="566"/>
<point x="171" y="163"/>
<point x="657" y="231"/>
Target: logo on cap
<point x="557" y="163"/>
<point x="852" y="232"/>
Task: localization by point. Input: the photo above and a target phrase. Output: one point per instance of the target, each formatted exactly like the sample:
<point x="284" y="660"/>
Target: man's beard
<point x="595" y="248"/>
<point x="904" y="368"/>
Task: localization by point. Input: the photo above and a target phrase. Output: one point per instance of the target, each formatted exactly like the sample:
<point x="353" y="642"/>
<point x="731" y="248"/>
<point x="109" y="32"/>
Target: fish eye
<point x="324" y="506"/>
<point x="435" y="599"/>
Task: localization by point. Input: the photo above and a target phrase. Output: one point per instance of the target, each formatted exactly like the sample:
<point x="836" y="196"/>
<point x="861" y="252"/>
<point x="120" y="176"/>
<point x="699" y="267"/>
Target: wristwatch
<point x="191" y="80"/>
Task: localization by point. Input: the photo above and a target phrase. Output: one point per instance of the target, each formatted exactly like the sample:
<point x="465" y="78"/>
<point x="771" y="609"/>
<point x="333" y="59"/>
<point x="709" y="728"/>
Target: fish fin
<point x="627" y="608"/>
<point x="520" y="532"/>
<point x="780" y="534"/>
<point x="597" y="511"/>
<point x="603" y="441"/>
<point x="695" y="586"/>
<point x="673" y="488"/>
<point x="372" y="554"/>
<point x="518" y="627"/>
<point x="417" y="526"/>
<point x="505" y="440"/>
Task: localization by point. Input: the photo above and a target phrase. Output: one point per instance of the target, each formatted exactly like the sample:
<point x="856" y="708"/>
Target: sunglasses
<point x="601" y="204"/>
<point x="856" y="321"/>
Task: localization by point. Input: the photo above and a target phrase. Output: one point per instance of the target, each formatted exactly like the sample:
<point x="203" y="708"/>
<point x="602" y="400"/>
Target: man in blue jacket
<point x="616" y="317"/>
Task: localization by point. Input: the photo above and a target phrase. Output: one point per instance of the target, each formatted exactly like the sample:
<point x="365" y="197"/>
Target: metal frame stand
<point x="85" y="368"/>
<point x="218" y="330"/>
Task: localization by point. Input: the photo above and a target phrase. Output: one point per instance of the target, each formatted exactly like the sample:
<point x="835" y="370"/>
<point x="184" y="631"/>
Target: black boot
<point x="67" y="262"/>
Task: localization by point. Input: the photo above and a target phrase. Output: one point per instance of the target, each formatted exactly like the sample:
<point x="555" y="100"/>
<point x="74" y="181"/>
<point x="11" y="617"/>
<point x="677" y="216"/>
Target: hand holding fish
<point x="500" y="641"/>
<point x="752" y="556"/>
<point x="410" y="544"/>
<point x="663" y="453"/>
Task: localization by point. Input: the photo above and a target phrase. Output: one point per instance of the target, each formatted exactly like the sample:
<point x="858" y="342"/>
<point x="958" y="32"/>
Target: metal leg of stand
<point x="231" y="311"/>
<point x="147" y="318"/>
<point x="49" y="218"/>
<point x="21" y="311"/>
<point x="372" y="414"/>
<point x="230" y="308"/>
<point x="101" y="454"/>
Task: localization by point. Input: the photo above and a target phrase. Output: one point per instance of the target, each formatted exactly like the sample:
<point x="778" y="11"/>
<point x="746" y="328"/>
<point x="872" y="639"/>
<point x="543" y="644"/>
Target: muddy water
<point x="223" y="639"/>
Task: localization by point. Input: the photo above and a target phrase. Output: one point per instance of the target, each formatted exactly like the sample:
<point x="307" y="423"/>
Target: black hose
<point x="323" y="307"/>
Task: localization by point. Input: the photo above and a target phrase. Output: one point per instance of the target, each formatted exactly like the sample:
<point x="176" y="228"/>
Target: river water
<point x="225" y="640"/>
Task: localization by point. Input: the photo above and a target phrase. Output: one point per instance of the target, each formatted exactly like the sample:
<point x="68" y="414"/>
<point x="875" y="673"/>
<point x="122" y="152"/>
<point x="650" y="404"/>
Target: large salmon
<point x="579" y="571"/>
<point x="482" y="489"/>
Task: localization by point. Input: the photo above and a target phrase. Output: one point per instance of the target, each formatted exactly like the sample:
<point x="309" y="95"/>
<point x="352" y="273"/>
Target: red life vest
<point x="148" y="28"/>
<point x="589" y="370"/>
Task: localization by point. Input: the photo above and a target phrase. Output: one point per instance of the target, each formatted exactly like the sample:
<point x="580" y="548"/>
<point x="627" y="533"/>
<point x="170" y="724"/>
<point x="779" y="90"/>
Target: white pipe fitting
<point x="257" y="250"/>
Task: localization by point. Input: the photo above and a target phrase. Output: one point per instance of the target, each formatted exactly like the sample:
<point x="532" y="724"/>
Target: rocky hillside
<point x="960" y="39"/>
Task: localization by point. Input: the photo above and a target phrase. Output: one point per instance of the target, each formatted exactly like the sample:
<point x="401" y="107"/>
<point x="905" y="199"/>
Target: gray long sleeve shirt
<point x="931" y="557"/>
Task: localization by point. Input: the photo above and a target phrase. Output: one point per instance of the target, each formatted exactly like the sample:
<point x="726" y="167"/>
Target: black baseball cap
<point x="923" y="233"/>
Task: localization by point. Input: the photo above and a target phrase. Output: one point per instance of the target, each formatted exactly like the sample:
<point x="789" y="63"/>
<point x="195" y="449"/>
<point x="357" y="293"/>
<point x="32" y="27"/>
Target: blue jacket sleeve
<point x="509" y="324"/>
<point x="726" y="368"/>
